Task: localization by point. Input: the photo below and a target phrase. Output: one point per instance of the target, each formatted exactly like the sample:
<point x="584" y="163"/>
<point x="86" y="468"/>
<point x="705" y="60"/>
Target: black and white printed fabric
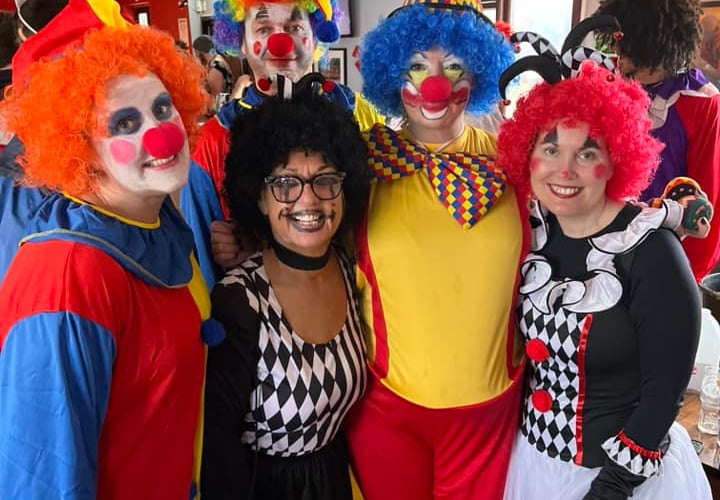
<point x="608" y="358"/>
<point x="303" y="390"/>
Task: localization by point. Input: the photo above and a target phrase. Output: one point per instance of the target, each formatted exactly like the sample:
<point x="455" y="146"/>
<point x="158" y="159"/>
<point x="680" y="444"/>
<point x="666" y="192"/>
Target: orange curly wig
<point x="55" y="114"/>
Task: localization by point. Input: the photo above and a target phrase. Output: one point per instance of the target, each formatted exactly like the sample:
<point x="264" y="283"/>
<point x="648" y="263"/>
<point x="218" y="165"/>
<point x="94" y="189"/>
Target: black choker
<point x="298" y="261"/>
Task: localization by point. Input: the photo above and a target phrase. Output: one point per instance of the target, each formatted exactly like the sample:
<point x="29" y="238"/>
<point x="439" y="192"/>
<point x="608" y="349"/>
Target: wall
<point x="365" y="16"/>
<point x="164" y="14"/>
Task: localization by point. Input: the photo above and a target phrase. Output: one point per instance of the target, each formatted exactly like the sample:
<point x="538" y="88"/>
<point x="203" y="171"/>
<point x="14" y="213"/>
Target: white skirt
<point x="534" y="475"/>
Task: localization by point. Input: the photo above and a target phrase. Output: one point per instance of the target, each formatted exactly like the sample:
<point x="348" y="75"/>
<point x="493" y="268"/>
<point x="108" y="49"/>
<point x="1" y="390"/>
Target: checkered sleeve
<point x="634" y="458"/>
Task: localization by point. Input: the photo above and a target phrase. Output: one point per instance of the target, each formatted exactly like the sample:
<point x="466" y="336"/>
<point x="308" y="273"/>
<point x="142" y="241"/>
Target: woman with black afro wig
<point x="265" y="138"/>
<point x="293" y="362"/>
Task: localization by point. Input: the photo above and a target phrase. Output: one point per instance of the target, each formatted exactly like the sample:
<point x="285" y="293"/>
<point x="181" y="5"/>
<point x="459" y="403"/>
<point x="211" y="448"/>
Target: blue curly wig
<point x="386" y="50"/>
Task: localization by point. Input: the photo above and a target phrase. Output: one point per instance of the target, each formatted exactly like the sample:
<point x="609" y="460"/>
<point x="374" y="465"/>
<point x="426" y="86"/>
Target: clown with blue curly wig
<point x="437" y="263"/>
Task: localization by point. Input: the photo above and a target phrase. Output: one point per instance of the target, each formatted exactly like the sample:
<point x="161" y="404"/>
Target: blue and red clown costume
<point x="101" y="317"/>
<point x="437" y="257"/>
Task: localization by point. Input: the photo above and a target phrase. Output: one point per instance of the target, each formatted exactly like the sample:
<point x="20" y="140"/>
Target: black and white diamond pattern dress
<point x="275" y="404"/>
<point x="611" y="324"/>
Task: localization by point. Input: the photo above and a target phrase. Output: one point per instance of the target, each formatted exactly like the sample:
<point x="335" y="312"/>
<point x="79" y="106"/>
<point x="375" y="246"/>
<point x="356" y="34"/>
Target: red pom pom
<point x="328" y="86"/>
<point x="536" y="350"/>
<point x="618" y="35"/>
<point x="263" y="84"/>
<point x="541" y="400"/>
<point x="280" y="44"/>
<point x="504" y="29"/>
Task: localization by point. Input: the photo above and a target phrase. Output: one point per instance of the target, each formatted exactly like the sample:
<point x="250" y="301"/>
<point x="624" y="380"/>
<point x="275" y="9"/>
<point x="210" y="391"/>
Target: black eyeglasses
<point x="289" y="188"/>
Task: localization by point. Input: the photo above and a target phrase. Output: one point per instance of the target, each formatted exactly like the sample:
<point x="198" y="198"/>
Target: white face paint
<point x="143" y="150"/>
<point x="265" y="22"/>
<point x="569" y="171"/>
<point x="436" y="90"/>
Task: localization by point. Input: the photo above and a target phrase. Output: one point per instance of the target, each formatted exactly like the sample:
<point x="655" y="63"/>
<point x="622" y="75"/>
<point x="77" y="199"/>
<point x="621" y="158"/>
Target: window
<point x="490" y="10"/>
<point x="552" y="20"/>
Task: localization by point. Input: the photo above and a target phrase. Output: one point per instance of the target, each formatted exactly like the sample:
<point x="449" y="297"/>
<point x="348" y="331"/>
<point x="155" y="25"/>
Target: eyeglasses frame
<point x="270" y="179"/>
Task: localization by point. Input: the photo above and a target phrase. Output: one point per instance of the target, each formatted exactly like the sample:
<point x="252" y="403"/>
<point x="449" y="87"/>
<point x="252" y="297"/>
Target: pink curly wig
<point x="55" y="114"/>
<point x="616" y="110"/>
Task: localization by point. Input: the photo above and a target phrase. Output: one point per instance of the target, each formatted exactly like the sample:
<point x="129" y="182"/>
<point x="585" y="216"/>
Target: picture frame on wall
<point x="334" y="65"/>
<point x="346" y="21"/>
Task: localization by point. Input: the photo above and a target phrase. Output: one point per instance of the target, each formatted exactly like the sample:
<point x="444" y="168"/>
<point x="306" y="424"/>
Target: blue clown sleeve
<point x="200" y="206"/>
<point x="17" y="203"/>
<point x="55" y="373"/>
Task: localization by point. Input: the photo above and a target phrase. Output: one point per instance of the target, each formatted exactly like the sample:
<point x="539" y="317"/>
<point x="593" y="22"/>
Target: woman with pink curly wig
<point x="608" y="306"/>
<point x="101" y="311"/>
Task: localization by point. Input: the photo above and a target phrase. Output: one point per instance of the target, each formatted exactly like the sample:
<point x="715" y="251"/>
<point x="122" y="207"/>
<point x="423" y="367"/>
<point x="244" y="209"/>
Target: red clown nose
<point x="435" y="89"/>
<point x="280" y="44"/>
<point x="164" y="141"/>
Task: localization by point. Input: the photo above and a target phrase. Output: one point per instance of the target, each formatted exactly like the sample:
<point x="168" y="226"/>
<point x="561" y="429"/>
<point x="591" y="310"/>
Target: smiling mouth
<point x="160" y="163"/>
<point x="564" y="191"/>
<point x="309" y="221"/>
<point x="433" y="112"/>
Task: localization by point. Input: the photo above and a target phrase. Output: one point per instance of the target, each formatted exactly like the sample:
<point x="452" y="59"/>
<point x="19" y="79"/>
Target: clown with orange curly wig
<point x="607" y="305"/>
<point x="102" y="309"/>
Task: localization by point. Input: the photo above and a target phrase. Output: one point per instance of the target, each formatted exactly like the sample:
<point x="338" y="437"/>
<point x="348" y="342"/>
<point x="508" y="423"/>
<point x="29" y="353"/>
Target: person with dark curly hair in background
<point x="660" y="39"/>
<point x="293" y="362"/>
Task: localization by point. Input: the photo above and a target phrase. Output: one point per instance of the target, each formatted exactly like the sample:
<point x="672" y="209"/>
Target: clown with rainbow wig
<point x="280" y="40"/>
<point x="101" y="311"/>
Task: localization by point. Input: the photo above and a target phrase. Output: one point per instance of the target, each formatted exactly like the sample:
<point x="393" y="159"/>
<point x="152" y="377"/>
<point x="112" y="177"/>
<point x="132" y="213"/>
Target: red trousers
<point x="400" y="450"/>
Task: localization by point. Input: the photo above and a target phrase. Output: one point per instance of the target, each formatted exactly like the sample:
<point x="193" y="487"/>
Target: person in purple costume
<point x="660" y="39"/>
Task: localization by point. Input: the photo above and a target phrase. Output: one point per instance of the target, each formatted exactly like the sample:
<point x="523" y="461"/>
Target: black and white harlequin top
<point x="611" y="324"/>
<point x="266" y="387"/>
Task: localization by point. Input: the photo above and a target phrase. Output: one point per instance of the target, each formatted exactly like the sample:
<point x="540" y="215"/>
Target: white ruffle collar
<point x="603" y="289"/>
